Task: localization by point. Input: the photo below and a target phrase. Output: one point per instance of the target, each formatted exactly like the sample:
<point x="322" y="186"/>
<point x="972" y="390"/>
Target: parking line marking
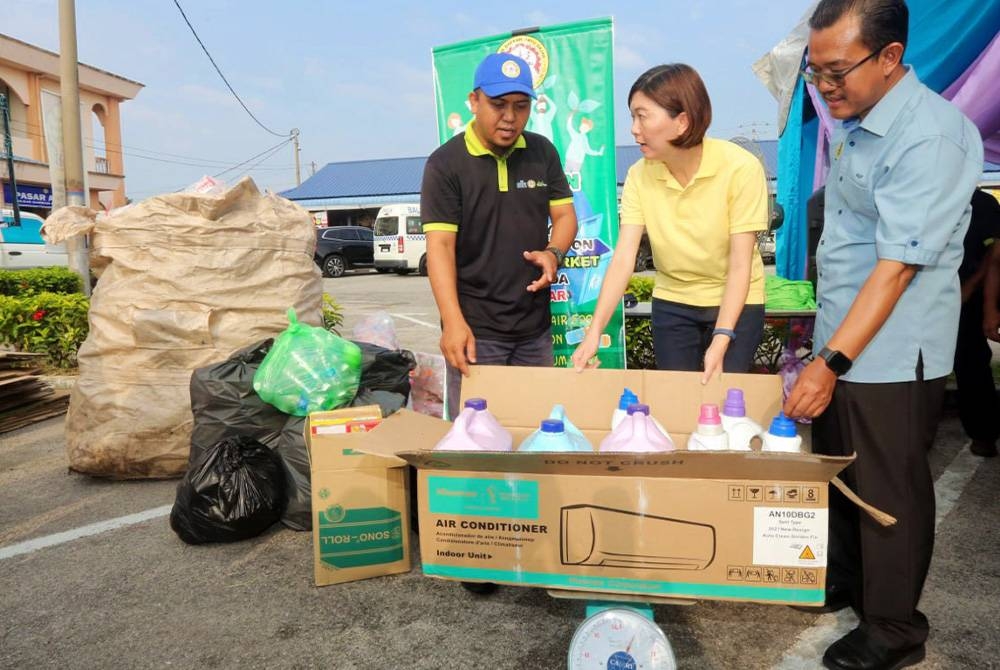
<point x="417" y="321"/>
<point x="30" y="546"/>
<point x="813" y="641"/>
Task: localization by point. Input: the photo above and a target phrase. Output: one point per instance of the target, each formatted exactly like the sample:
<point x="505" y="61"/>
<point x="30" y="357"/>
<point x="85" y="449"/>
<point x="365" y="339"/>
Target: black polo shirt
<point x="499" y="208"/>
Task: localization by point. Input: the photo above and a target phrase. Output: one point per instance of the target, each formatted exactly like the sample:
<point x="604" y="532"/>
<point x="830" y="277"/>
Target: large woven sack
<point x="185" y="280"/>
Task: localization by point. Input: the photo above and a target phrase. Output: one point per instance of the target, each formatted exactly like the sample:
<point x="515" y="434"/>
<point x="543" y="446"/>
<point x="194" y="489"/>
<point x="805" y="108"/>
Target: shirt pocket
<point x="855" y="185"/>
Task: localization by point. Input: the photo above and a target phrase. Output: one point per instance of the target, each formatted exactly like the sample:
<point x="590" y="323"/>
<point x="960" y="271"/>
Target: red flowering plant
<point x="47" y="323"/>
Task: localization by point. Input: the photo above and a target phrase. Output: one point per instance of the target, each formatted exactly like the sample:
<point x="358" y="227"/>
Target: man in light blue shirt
<point x="903" y="168"/>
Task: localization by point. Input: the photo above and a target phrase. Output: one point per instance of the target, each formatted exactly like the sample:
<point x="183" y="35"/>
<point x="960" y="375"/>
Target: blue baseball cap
<point x="500" y="74"/>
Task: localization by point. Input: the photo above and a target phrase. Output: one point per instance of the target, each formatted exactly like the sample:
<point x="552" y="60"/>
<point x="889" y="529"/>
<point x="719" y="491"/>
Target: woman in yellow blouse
<point x="702" y="202"/>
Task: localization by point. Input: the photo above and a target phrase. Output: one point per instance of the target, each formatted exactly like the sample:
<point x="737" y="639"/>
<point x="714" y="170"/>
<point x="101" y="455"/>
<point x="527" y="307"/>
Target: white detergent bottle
<point x="475" y="429"/>
<point x="782" y="436"/>
<point x="709" y="434"/>
<point x="551" y="436"/>
<point x="637" y="433"/>
<point x="627" y="398"/>
<point x="735" y="422"/>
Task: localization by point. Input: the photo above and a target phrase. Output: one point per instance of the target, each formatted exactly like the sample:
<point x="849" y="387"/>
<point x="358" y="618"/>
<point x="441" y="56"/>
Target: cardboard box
<point x="359" y="498"/>
<point x="696" y="525"/>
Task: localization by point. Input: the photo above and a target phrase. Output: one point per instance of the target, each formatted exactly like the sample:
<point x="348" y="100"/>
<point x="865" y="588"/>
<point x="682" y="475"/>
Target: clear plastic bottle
<point x="551" y="436"/>
<point x="740" y="429"/>
<point x="709" y="434"/>
<point x="782" y="436"/>
<point x="475" y="429"/>
<point x="637" y="433"/>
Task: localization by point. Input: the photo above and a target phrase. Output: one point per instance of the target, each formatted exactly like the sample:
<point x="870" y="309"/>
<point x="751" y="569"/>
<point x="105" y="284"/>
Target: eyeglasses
<point x="837" y="79"/>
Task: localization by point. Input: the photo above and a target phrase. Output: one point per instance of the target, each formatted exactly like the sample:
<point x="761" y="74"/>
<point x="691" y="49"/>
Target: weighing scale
<point x="618" y="636"/>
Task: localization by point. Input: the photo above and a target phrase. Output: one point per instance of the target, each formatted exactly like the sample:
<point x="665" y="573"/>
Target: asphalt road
<point x="91" y="576"/>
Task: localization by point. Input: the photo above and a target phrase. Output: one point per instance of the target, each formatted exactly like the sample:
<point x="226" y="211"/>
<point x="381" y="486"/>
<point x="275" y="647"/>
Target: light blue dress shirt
<point x="899" y="189"/>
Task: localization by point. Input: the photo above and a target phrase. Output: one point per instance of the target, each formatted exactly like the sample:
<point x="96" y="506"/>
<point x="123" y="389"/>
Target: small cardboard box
<point x="359" y="498"/>
<point x="695" y="525"/>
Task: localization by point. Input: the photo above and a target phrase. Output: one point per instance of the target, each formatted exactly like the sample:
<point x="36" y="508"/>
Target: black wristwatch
<point x="558" y="254"/>
<point x="838" y="363"/>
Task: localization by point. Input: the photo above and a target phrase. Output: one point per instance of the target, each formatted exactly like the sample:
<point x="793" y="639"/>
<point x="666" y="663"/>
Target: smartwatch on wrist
<point x="558" y="254"/>
<point x="838" y="363"/>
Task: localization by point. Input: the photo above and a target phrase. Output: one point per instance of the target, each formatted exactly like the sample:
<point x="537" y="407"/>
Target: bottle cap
<point x="735" y="405"/>
<point x="782" y="426"/>
<point x="478" y="404"/>
<point x="638" y="408"/>
<point x="627" y="398"/>
<point x="552" y="426"/>
<point x="709" y="414"/>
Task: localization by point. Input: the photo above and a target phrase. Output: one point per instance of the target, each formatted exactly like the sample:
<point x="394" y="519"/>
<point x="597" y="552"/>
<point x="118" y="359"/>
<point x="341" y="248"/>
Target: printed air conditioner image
<point x="615" y="538"/>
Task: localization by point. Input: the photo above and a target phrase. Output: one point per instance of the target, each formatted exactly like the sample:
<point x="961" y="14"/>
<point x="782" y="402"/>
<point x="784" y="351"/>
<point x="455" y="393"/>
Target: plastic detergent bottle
<point x="782" y="436"/>
<point x="709" y="435"/>
<point x="552" y="436"/>
<point x="628" y="397"/>
<point x="475" y="429"/>
<point x="559" y="412"/>
<point x="637" y="433"/>
<point x="738" y="427"/>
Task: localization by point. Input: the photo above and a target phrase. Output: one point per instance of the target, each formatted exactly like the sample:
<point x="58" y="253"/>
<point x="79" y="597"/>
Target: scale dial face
<point x="620" y="639"/>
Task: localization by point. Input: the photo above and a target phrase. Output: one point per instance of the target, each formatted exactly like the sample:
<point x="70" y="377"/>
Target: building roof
<point x="372" y="183"/>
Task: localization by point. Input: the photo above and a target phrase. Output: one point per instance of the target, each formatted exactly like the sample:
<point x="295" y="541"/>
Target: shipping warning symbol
<point x="807" y="554"/>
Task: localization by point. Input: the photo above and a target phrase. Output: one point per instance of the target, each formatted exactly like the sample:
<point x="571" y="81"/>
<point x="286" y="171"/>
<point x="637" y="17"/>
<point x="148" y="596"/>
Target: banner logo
<point x="532" y="52"/>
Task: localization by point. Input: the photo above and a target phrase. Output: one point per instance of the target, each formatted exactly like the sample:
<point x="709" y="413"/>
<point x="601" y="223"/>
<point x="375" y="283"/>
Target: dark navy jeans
<point x="534" y="351"/>
<point x="682" y="333"/>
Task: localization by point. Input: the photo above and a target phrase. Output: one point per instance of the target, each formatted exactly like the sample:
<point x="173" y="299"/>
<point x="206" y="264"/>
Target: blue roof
<point x="372" y="183"/>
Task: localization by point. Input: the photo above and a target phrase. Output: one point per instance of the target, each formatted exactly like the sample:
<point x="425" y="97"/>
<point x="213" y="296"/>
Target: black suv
<point x="342" y="248"/>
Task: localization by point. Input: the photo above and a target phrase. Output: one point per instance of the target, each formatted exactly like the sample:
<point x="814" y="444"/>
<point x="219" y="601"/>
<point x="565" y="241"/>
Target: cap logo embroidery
<point x="510" y="69"/>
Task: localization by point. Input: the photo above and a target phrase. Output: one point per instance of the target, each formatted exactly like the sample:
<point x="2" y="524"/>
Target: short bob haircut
<point x="677" y="88"/>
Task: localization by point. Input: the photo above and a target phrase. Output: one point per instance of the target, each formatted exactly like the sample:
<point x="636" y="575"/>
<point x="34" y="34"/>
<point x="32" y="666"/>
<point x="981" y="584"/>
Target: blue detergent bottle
<point x="551" y="436"/>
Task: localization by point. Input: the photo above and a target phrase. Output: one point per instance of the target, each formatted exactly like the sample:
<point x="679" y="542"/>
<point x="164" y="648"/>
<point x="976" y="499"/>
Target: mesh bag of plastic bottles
<point x="308" y="369"/>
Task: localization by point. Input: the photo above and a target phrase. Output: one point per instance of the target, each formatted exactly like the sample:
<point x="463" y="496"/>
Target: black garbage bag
<point x="235" y="490"/>
<point x="224" y="403"/>
<point x="385" y="377"/>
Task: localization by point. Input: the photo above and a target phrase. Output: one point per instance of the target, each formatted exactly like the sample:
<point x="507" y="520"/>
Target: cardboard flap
<point x="679" y="464"/>
<point x="674" y="397"/>
<point x="403" y="431"/>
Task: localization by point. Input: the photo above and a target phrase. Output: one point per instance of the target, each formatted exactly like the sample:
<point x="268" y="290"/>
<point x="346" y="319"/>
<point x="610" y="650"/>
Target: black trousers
<point x="978" y="408"/>
<point x="682" y="333"/>
<point x="890" y="427"/>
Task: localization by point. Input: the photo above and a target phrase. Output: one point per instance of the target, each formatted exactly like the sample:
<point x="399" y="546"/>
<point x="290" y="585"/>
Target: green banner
<point x="572" y="69"/>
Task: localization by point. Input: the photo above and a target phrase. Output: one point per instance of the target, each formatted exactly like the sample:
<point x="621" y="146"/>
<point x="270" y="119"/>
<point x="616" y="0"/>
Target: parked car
<point x="23" y="247"/>
<point x="343" y="248"/>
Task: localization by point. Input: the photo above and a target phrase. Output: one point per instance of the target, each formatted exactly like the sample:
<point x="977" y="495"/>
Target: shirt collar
<point x="711" y="162"/>
<point x="884" y="113"/>
<point x="476" y="148"/>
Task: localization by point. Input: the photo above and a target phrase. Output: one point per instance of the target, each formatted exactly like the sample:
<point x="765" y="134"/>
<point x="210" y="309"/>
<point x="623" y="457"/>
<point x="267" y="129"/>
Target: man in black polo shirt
<point x="486" y="199"/>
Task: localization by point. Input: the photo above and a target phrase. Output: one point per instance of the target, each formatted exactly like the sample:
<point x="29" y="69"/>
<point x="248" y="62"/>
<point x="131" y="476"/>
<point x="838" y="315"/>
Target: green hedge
<point x="49" y="323"/>
<point x="639" y="332"/>
<point x="39" y="280"/>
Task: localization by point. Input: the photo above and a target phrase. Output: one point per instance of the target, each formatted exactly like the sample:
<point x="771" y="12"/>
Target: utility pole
<point x="69" y="81"/>
<point x="9" y="150"/>
<point x="295" y="144"/>
<point x="312" y="172"/>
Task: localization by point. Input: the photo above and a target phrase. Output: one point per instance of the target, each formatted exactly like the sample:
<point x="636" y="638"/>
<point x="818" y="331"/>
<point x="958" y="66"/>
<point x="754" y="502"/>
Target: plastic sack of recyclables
<point x="309" y="369"/>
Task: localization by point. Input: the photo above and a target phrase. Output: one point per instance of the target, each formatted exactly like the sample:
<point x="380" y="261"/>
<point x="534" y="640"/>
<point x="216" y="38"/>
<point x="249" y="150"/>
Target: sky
<point x="355" y="77"/>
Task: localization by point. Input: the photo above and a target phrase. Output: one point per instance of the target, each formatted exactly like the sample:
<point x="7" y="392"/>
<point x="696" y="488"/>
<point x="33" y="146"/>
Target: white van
<point x="400" y="244"/>
<point x="24" y="247"/>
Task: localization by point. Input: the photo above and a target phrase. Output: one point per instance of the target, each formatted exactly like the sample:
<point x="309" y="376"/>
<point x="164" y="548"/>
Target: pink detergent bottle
<point x="475" y="429"/>
<point x="709" y="434"/>
<point x="637" y="433"/>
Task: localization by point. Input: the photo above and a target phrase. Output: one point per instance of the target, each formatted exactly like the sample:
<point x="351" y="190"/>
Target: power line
<point x="226" y="81"/>
<point x="266" y="151"/>
<point x="201" y="162"/>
